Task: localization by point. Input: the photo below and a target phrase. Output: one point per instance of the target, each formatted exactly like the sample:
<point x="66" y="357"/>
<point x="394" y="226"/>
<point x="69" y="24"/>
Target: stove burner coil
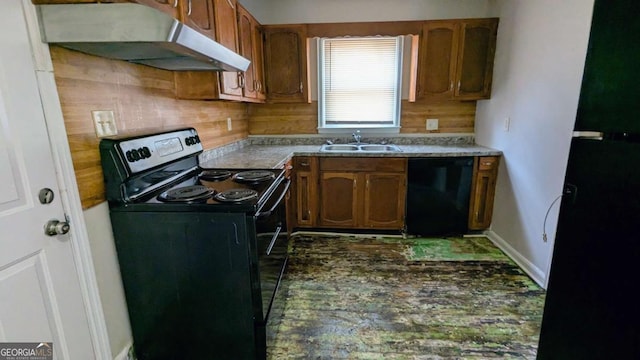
<point x="236" y="195"/>
<point x="254" y="176"/>
<point x="187" y="194"/>
<point x="215" y="175"/>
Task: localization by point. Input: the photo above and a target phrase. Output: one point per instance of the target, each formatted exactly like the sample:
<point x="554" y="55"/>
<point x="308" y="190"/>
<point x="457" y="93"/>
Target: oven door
<point x="272" y="244"/>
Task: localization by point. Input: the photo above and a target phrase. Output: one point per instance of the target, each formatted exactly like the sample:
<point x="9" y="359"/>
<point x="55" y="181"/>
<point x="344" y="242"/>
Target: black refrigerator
<point x="591" y="309"/>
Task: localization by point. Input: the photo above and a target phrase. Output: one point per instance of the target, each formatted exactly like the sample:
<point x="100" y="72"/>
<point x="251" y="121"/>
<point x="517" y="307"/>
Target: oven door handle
<point x="273" y="239"/>
<point x="284" y="192"/>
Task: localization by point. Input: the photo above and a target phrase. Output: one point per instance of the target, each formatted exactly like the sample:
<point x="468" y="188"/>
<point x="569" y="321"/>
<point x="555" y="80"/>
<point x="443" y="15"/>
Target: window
<point x="359" y="83"/>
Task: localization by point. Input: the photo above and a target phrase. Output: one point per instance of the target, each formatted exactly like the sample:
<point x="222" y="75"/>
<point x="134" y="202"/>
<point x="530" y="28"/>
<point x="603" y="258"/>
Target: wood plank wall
<point x="141" y="98"/>
<point x="281" y="119"/>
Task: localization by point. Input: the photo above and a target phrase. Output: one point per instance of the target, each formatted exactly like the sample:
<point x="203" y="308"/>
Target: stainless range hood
<point x="135" y="33"/>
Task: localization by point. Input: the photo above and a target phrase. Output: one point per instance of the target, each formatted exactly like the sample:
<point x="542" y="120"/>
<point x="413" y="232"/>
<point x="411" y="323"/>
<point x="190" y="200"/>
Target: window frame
<point x="323" y="127"/>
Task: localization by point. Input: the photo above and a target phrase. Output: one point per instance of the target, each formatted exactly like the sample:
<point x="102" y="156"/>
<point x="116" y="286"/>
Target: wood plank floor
<point x="386" y="298"/>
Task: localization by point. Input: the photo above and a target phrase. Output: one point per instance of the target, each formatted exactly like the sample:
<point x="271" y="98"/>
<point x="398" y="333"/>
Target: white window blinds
<point x="359" y="82"/>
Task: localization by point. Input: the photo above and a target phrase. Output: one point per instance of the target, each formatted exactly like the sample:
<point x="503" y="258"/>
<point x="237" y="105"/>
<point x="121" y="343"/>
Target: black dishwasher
<point x="438" y="194"/>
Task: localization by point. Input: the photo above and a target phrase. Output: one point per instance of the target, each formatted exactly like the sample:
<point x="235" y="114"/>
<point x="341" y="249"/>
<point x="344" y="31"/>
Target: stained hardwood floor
<point x="383" y="298"/>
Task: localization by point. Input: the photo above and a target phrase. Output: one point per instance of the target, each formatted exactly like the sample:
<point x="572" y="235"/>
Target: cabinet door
<point x="305" y="198"/>
<point x="384" y="200"/>
<point x="439" y="49"/>
<point x="286" y="63"/>
<point x="483" y="192"/>
<point x="474" y="70"/>
<point x="198" y="14"/>
<point x="305" y="190"/>
<point x="245" y="35"/>
<point x="171" y="7"/>
<point x="338" y="199"/>
<point x="258" y="63"/>
<point x="227" y="35"/>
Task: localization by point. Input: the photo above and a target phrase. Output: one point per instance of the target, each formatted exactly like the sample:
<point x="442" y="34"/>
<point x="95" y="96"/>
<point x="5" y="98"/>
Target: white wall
<point x="318" y="11"/>
<point x="539" y="61"/>
<point x="107" y="270"/>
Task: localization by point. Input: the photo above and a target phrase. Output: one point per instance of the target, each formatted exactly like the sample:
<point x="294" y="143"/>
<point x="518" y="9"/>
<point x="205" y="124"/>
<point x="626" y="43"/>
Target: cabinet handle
<point x="240" y="81"/>
<point x="189" y="8"/>
<point x="304" y="164"/>
<point x="301" y="88"/>
<point x="451" y="85"/>
<point x="458" y="85"/>
<point x="231" y="4"/>
<point x="235" y="230"/>
<point x="239" y="77"/>
<point x="175" y="4"/>
<point x="355" y="183"/>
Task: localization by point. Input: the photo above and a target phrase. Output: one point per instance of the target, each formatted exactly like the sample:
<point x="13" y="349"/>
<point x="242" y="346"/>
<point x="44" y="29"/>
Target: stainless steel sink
<point x="339" y="147"/>
<point x="380" y="148"/>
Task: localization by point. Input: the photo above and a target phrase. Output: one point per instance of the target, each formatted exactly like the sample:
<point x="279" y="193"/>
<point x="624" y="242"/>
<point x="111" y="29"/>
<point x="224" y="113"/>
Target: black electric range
<point x="201" y="251"/>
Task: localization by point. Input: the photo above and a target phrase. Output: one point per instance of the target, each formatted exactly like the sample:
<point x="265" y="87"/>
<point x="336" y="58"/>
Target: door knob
<point x="55" y="227"/>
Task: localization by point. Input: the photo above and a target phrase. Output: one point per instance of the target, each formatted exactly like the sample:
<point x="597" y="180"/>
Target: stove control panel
<point x="143" y="153"/>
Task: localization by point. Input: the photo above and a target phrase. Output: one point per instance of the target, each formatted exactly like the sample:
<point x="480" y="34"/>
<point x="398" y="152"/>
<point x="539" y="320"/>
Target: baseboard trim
<point x="124" y="354"/>
<point x="527" y="266"/>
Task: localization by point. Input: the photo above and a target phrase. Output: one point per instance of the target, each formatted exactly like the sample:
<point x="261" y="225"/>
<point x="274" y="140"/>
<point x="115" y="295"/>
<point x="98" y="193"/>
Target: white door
<point x="40" y="295"/>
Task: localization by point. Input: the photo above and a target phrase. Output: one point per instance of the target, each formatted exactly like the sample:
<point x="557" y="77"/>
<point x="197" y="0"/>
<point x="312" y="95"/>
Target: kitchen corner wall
<point x="540" y="57"/>
<point x="141" y="97"/>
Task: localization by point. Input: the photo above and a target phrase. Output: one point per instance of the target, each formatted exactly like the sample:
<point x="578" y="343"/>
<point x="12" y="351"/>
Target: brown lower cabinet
<point x="305" y="190"/>
<point x="370" y="193"/>
<point x="353" y="193"/>
<point x="485" y="174"/>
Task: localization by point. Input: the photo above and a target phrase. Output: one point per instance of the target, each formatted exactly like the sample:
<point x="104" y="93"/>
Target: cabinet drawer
<point x="363" y="164"/>
<point x="487" y="163"/>
<point x="303" y="163"/>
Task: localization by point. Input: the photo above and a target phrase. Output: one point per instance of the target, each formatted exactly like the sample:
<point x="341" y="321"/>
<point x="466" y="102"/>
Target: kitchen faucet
<point x="356" y="136"/>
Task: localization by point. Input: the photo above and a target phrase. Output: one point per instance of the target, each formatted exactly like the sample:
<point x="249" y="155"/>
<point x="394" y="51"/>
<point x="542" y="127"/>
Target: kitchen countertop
<point x="256" y="153"/>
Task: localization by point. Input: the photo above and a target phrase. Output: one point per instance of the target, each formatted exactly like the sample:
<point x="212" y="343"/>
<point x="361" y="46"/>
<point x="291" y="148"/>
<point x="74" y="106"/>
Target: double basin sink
<point x="370" y="148"/>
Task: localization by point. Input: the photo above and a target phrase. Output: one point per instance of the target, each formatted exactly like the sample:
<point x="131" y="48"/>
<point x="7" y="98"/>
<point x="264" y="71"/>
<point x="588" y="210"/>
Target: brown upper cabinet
<point x="197" y="14"/>
<point x="171" y="7"/>
<point x="43" y="2"/>
<point x="251" y="47"/>
<point x="227" y="34"/>
<point x="237" y="30"/>
<point x="456" y="59"/>
<point x="285" y="60"/>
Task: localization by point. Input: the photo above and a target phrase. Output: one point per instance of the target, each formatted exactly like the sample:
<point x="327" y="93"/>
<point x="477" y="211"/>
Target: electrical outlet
<point x="229" y="126"/>
<point x="432" y="124"/>
<point x="104" y="122"/>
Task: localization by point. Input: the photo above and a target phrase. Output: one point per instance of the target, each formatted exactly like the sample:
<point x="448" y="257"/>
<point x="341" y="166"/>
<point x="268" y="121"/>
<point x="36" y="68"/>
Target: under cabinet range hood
<point x="135" y="33"/>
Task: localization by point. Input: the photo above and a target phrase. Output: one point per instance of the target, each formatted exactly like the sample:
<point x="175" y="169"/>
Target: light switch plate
<point x="104" y="122"/>
<point x="432" y="124"/>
